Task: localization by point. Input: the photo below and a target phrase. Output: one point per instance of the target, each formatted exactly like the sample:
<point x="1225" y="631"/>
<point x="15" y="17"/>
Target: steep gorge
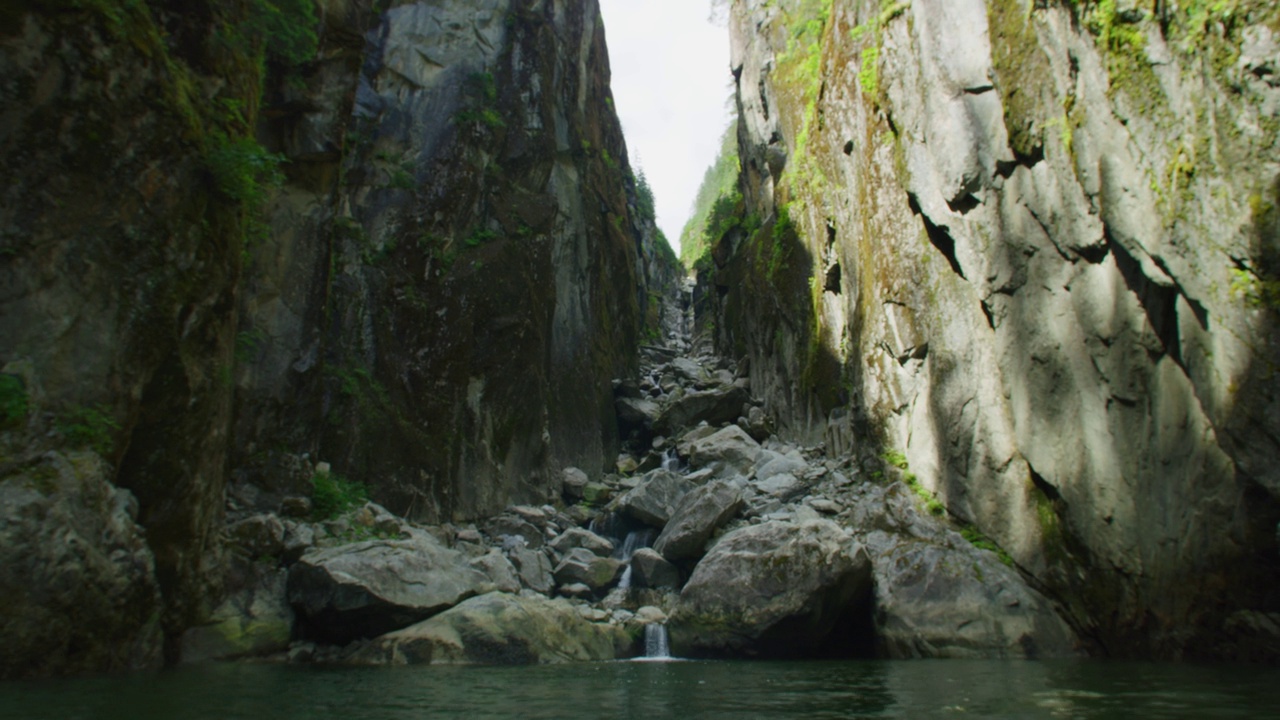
<point x="1030" y="249"/>
<point x="1026" y="252"/>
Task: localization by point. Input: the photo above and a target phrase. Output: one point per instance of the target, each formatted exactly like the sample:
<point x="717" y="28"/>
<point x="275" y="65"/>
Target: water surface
<point x="687" y="690"/>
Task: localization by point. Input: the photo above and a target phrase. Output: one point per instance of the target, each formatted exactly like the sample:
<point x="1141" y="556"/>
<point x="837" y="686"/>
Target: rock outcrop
<point x="499" y="629"/>
<point x="242" y="238"/>
<point x="1031" y="250"/>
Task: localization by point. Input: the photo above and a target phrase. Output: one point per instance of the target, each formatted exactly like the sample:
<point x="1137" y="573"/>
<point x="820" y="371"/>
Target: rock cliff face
<point x="1033" y="248"/>
<point x="255" y="235"/>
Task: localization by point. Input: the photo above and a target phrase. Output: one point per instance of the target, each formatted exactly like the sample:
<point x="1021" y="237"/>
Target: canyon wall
<point x="1027" y="251"/>
<point x="248" y="237"/>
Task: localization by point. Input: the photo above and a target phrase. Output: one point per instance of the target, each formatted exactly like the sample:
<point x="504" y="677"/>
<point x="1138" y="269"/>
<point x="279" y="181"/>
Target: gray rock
<point x="499" y="629"/>
<point x="654" y="499"/>
<point x="775" y="589"/>
<point x="730" y="448"/>
<point x="685" y="444"/>
<point x="512" y="526"/>
<point x="577" y="591"/>
<point x="254" y="620"/>
<point x="651" y="570"/>
<point x="699" y="514"/>
<point x="533" y="568"/>
<point x="715" y="406"/>
<point x="296" y="506"/>
<point x="299" y="537"/>
<point x="499" y="570"/>
<point x="583" y="566"/>
<point x="792" y="462"/>
<point x="636" y="412"/>
<point x="78" y="582"/>
<point x="258" y="536"/>
<point x="575" y="482"/>
<point x="369" y="588"/>
<point x="782" y="486"/>
<point x="953" y="600"/>
<point x="580" y="538"/>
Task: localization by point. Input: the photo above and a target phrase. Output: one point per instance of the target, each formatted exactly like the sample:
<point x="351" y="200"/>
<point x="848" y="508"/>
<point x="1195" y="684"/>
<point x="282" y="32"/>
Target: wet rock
<point x="254" y="620"/>
<point x="583" y="566"/>
<point x="577" y="591"/>
<point x="581" y="538"/>
<point x="730" y="448"/>
<point x="651" y="570"/>
<point x="296" y="506"/>
<point x="369" y="588"/>
<point x="700" y="512"/>
<point x="776" y="589"/>
<point x="597" y="493"/>
<point x="654" y="499"/>
<point x="499" y="629"/>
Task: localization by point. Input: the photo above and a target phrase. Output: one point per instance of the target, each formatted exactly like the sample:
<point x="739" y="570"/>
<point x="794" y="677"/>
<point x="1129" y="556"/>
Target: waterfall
<point x="655" y="642"/>
<point x="635" y="540"/>
<point x="670" y="461"/>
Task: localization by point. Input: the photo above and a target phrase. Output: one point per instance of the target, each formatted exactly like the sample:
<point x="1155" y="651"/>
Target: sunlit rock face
<point x="433" y="298"/>
<point x="1034" y="249"/>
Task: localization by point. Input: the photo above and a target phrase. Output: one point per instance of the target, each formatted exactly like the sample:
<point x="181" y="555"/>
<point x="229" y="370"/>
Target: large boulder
<point x="651" y="570"/>
<point x="719" y="405"/>
<point x="254" y="620"/>
<point x="730" y="448"/>
<point x="953" y="600"/>
<point x="778" y="589"/>
<point x="373" y="587"/>
<point x="655" y="498"/>
<point x="581" y="565"/>
<point x="77" y="586"/>
<point x="499" y="629"/>
<point x="937" y="595"/>
<point x="699" y="514"/>
<point x="533" y="567"/>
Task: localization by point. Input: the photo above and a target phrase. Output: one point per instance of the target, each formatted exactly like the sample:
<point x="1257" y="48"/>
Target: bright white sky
<point x="671" y="81"/>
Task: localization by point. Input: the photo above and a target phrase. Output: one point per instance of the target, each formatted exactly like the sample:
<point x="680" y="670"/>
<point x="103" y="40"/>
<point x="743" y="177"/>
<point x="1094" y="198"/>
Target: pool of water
<point x="869" y="689"/>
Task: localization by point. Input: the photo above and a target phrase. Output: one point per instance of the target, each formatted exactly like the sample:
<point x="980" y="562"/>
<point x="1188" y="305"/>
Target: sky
<point x="671" y="84"/>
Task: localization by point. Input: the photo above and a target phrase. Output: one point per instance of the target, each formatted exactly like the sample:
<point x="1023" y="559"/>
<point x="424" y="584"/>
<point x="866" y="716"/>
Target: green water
<point x="687" y="690"/>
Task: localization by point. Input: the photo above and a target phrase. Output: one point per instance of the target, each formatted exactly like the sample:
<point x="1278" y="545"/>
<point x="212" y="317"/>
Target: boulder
<point x="533" y="568"/>
<point x="575" y="482"/>
<point x="719" y="405"/>
<point x="636" y="413"/>
<point x="954" y="600"/>
<point x="730" y="448"/>
<point x="782" y="486"/>
<point x="792" y="463"/>
<point x="777" y="589"/>
<point x="651" y="570"/>
<point x="685" y="445"/>
<point x="583" y="566"/>
<point x="254" y="620"/>
<point x="369" y="588"/>
<point x="509" y="525"/>
<point x="256" y="536"/>
<point x="498" y="569"/>
<point x="655" y="498"/>
<point x="688" y="371"/>
<point x="581" y="538"/>
<point x="499" y="629"/>
<point x="700" y="512"/>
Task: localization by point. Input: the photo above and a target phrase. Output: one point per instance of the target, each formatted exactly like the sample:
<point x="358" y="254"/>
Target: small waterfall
<point x="655" y="642"/>
<point x="671" y="461"/>
<point x="635" y="540"/>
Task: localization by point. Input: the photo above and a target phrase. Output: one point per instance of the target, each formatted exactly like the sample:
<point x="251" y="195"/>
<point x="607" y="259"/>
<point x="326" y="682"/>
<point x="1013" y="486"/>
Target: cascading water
<point x="656" y="646"/>
<point x="671" y="461"/>
<point x="635" y="540"/>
